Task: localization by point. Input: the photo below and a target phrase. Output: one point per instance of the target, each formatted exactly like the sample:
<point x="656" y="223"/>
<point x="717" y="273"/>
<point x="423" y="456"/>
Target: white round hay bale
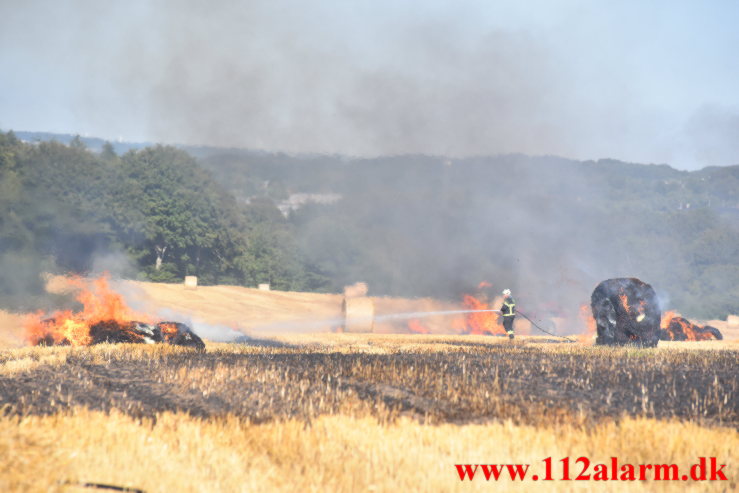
<point x="191" y="282"/>
<point x="732" y="320"/>
<point x="359" y="314"/>
<point x="264" y="287"/>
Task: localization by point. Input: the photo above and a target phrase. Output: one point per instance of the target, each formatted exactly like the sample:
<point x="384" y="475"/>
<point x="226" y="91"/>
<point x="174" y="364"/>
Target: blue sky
<point x="640" y="81"/>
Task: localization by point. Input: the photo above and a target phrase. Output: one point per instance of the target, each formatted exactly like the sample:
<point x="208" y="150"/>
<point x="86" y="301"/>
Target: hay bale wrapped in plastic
<point x="359" y="314"/>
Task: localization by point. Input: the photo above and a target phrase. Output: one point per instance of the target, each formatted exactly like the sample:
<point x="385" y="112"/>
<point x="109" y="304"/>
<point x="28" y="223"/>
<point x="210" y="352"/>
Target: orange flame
<point x="480" y="323"/>
<point x="100" y="303"/>
<point x="667" y="318"/>
<point x="168" y="329"/>
<point x="459" y="325"/>
<point x="416" y="327"/>
<point x="673" y="323"/>
<point x="624" y="301"/>
<point x="586" y="316"/>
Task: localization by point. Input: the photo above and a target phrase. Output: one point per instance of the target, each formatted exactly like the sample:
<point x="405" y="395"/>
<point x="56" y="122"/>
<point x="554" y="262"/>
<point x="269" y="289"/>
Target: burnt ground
<point x="475" y="383"/>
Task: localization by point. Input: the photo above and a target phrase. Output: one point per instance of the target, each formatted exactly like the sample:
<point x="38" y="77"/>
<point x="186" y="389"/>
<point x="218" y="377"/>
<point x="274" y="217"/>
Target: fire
<point x="667" y="318"/>
<point x="678" y="328"/>
<point x="641" y="309"/>
<point x="100" y="304"/>
<point x="169" y="330"/>
<point x="64" y="328"/>
<point x="479" y="323"/>
<point x="459" y="325"/>
<point x="417" y="328"/>
<point x="586" y="316"/>
<point x="624" y="301"/>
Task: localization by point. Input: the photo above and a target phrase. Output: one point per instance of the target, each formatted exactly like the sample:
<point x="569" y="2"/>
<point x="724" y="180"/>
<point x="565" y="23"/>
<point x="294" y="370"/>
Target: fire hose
<point x="102" y="486"/>
<point x="543" y="330"/>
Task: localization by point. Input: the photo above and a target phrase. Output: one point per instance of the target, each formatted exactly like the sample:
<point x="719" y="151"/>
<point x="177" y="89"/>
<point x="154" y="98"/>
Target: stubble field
<point x="343" y="412"/>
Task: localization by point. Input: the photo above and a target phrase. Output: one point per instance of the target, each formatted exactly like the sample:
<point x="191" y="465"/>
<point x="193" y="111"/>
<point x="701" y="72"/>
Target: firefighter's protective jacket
<point x="508" y="308"/>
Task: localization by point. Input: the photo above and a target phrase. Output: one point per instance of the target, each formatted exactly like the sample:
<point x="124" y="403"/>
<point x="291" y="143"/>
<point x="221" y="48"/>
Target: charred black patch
<point x="475" y="384"/>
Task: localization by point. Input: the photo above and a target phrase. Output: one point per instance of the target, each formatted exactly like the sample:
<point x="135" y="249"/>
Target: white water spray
<point x="409" y="315"/>
<point x="307" y="324"/>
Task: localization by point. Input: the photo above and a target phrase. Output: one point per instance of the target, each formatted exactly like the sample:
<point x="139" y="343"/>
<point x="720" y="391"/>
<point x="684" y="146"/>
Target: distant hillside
<point x="93" y="143"/>
<point x="549" y="228"/>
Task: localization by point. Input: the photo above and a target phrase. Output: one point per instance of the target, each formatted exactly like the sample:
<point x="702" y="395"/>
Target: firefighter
<point x="508" y="310"/>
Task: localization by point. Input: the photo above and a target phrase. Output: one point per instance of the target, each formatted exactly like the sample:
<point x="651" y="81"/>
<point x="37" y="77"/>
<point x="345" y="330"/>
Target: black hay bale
<point x="179" y="334"/>
<point x="112" y="331"/>
<point x="174" y="333"/>
<point x="714" y="332"/>
<point x="626" y="311"/>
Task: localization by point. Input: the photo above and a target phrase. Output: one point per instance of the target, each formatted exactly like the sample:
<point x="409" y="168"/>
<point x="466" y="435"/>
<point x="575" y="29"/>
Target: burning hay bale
<point x="626" y="311"/>
<point x="116" y="332"/>
<point x="178" y="334"/>
<point x="105" y="318"/>
<point x="174" y="333"/>
<point x="677" y="328"/>
<point x="112" y="331"/>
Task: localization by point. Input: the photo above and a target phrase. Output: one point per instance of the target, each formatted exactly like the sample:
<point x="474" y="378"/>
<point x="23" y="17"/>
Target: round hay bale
<point x="191" y="282"/>
<point x="733" y="320"/>
<point x="359" y="314"/>
<point x="626" y="311"/>
<point x="263" y="287"/>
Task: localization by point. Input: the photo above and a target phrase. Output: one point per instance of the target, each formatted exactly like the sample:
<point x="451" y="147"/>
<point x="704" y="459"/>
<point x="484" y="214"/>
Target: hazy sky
<point x="645" y="81"/>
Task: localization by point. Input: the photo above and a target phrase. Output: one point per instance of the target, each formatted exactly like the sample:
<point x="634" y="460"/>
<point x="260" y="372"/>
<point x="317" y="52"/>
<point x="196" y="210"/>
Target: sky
<point x="648" y="82"/>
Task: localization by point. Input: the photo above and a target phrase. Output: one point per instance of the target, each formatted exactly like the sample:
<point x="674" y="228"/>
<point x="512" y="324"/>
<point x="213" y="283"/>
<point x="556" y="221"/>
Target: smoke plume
<point x="378" y="77"/>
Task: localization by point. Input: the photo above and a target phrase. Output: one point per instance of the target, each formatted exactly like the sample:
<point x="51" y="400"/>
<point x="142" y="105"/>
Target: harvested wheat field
<point x="250" y="309"/>
<point x="360" y="412"/>
<point x="313" y="410"/>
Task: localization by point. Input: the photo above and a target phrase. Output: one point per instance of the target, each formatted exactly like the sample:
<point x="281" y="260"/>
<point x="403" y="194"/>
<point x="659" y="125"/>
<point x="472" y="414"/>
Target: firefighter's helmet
<point x="506" y="292"/>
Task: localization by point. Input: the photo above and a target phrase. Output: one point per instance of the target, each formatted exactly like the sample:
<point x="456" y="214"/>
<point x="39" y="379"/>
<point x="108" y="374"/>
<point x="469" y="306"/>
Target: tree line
<point x="547" y="227"/>
<point x="65" y="208"/>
